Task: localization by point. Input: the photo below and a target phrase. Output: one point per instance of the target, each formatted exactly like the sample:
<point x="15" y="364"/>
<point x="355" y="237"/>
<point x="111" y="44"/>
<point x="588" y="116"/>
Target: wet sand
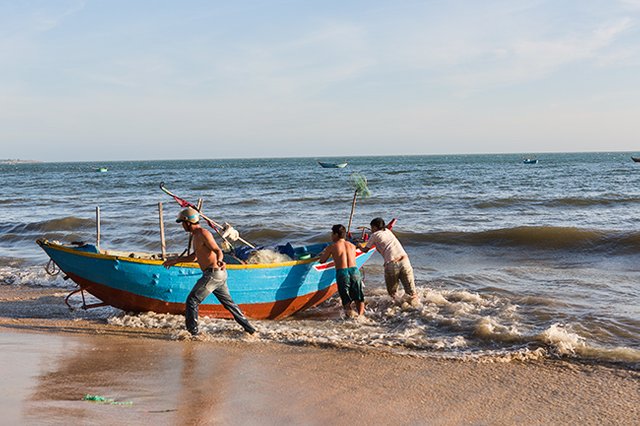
<point x="48" y="362"/>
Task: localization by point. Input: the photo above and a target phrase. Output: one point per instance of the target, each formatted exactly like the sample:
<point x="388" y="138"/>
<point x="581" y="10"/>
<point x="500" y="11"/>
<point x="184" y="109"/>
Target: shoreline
<point x="26" y="307"/>
<point x="51" y="360"/>
<point x="243" y="381"/>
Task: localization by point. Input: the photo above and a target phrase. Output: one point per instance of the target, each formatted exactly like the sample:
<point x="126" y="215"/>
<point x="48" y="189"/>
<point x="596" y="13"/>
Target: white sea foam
<point x="489" y="328"/>
<point x="520" y="355"/>
<point x="447" y="323"/>
<point x="565" y="342"/>
<point x="562" y="339"/>
<point x="397" y="325"/>
<point x="32" y="276"/>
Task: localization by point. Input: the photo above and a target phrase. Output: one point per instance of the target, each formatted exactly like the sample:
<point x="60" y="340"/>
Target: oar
<point x="210" y="222"/>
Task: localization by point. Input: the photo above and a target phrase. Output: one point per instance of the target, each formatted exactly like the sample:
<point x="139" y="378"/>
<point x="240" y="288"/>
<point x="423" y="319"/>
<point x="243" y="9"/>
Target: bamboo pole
<point x="191" y="236"/>
<point x="98" y="228"/>
<point x="353" y="207"/>
<point x="163" y="244"/>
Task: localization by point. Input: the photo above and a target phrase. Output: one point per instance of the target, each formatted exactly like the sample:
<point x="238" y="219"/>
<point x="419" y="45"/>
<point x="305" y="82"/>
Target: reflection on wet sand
<point x="205" y="380"/>
<point x="168" y="380"/>
<point x="186" y="382"/>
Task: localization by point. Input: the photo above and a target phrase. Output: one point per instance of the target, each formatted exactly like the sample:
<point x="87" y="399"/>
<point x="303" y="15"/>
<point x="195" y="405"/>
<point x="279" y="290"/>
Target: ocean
<point x="511" y="260"/>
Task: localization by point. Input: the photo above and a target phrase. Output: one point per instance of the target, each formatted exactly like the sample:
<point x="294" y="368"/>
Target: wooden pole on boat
<point x="163" y="244"/>
<point x="98" y="227"/>
<point x="353" y="207"/>
<point x="191" y="236"/>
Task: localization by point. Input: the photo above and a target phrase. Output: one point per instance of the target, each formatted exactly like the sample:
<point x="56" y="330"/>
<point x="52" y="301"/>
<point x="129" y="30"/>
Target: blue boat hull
<point x="270" y="291"/>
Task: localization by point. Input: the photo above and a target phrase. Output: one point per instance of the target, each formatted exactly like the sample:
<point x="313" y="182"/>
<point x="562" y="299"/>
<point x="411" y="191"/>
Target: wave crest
<point x="539" y="237"/>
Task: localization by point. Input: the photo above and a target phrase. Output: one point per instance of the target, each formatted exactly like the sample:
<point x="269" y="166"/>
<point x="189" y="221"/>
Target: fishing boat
<point x="636" y="159"/>
<point x="140" y="283"/>
<point x="530" y="161"/>
<point x="102" y="169"/>
<point x="333" y="165"/>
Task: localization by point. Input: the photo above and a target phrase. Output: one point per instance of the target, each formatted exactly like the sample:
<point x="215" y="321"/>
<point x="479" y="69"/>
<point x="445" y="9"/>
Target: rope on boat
<point x="52" y="268"/>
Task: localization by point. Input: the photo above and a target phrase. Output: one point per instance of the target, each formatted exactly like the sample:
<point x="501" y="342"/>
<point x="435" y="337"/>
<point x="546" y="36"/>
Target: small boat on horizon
<point x="530" y="161"/>
<point x="102" y="169"/>
<point x="636" y="159"/>
<point x="326" y="165"/>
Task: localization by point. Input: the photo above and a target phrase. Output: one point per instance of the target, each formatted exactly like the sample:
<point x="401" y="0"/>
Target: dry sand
<point x="48" y="365"/>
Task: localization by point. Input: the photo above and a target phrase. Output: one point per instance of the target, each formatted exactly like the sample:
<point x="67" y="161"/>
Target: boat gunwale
<point x="159" y="262"/>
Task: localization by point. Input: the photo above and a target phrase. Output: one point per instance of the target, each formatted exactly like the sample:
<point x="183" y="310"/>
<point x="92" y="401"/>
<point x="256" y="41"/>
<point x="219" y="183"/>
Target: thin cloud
<point x="529" y="60"/>
<point x="632" y="4"/>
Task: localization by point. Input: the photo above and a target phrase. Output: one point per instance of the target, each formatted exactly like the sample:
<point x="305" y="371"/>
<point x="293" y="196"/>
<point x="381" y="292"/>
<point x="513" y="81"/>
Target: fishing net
<point x="359" y="184"/>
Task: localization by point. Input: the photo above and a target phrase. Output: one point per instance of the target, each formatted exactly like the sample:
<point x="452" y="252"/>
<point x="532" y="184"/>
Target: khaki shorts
<point x="399" y="271"/>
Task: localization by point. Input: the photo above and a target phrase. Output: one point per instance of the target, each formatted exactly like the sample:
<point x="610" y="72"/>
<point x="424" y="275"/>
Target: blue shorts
<point x="349" y="285"/>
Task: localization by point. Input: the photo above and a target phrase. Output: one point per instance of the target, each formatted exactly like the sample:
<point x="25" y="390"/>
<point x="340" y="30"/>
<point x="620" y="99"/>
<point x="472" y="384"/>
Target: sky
<point x="99" y="80"/>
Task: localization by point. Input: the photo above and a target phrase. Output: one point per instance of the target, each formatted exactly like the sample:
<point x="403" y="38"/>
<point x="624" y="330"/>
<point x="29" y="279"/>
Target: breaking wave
<point x="498" y="203"/>
<point x="34" y="276"/>
<point x="69" y="223"/>
<point x="538" y="237"/>
<point x="265" y="234"/>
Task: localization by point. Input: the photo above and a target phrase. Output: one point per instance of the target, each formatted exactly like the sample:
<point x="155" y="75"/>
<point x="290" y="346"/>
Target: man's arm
<point x="213" y="246"/>
<point x="326" y="254"/>
<point x="180" y="259"/>
<point x="365" y="247"/>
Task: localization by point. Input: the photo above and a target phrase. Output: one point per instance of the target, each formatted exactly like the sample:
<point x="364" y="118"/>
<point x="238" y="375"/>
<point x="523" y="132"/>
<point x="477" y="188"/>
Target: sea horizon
<point x="340" y="157"/>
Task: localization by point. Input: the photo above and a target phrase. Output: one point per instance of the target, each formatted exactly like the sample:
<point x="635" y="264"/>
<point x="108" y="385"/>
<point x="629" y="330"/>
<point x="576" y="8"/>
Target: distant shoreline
<point x="16" y="161"/>
<point x="322" y="157"/>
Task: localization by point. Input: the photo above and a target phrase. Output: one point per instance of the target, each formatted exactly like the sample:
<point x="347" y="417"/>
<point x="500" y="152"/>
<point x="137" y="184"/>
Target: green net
<point x="359" y="184"/>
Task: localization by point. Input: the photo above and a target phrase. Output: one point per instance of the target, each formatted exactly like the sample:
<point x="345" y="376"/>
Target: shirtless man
<point x="214" y="275"/>
<point x="347" y="274"/>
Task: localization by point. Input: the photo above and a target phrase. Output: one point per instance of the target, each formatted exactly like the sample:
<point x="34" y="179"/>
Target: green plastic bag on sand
<point x="102" y="399"/>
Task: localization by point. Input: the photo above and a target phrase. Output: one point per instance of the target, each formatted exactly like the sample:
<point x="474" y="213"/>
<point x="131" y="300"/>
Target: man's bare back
<point x="343" y="254"/>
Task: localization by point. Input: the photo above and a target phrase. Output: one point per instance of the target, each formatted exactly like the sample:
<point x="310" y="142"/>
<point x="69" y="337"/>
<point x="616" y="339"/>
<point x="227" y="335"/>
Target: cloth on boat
<point x="349" y="285"/>
<point x="213" y="281"/>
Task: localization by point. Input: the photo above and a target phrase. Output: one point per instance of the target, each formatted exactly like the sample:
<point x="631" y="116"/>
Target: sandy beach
<point x="167" y="161"/>
<point x="49" y="364"/>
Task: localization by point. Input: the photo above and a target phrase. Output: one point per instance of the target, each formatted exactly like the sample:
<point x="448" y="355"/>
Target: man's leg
<point x="407" y="279"/>
<point x="391" y="278"/>
<point x="342" y="281"/>
<point x="222" y="293"/>
<point x="197" y="295"/>
<point x="356" y="292"/>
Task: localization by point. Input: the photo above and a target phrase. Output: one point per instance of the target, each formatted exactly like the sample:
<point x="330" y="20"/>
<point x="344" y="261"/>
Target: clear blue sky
<point x="117" y="80"/>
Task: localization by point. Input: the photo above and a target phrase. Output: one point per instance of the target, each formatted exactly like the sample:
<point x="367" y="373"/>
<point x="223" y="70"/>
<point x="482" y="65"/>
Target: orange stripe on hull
<point x="134" y="303"/>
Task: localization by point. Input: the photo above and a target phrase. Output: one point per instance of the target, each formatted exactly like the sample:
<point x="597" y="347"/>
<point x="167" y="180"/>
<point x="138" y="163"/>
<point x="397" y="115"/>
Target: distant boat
<point x="530" y="161"/>
<point x="333" y="165"/>
<point x="102" y="169"/>
<point x="636" y="159"/>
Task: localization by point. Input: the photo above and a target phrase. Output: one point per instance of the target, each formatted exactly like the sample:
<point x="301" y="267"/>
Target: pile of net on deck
<point x="258" y="255"/>
<point x="261" y="255"/>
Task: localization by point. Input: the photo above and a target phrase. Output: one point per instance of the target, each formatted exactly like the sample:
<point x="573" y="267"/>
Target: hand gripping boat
<point x="140" y="283"/>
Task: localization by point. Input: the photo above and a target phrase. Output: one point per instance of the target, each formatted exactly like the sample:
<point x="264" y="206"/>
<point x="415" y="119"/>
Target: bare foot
<point x="350" y="313"/>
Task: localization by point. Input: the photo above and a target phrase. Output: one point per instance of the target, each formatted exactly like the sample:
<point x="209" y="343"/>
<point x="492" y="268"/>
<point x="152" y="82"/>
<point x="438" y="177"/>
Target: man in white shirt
<point x="397" y="266"/>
